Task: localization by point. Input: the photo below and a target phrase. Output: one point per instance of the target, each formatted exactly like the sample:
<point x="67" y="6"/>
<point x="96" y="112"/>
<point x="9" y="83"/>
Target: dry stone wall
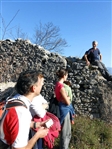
<point x="92" y="94"/>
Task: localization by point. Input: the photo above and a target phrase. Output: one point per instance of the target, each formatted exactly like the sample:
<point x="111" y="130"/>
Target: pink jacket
<point x="53" y="130"/>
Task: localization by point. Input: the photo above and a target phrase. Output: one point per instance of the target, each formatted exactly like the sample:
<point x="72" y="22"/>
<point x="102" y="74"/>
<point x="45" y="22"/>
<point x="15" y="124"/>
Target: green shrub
<point x="89" y="134"/>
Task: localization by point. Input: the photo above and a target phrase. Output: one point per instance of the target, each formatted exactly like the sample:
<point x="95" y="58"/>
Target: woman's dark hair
<point x="60" y="73"/>
<point x="26" y="80"/>
<point x="67" y="83"/>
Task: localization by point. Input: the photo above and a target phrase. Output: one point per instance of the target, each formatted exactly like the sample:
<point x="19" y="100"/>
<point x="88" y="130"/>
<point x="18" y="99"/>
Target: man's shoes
<point x="110" y="78"/>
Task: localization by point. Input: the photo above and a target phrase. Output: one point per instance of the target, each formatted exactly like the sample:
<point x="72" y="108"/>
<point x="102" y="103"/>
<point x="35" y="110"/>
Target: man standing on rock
<point x="94" y="57"/>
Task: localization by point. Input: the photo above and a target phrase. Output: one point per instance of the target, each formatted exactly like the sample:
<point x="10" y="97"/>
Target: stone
<point x="91" y="92"/>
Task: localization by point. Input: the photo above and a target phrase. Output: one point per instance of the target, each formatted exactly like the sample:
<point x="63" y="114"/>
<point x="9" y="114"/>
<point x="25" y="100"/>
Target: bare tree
<point x="5" y="28"/>
<point x="48" y="36"/>
<point x="18" y="33"/>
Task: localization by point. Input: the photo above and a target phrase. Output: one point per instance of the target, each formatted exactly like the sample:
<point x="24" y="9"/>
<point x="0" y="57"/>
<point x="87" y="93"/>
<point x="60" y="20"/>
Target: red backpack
<point x="53" y="130"/>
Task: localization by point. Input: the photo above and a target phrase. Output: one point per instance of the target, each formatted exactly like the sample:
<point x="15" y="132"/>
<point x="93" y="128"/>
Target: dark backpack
<point x="4" y="105"/>
<point x="3" y="145"/>
<point x="54" y="107"/>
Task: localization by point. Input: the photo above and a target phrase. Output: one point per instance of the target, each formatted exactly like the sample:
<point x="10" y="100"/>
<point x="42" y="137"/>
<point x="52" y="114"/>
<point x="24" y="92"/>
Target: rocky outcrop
<point x="91" y="92"/>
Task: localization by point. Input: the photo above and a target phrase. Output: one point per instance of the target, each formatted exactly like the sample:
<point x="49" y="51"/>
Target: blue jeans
<point x="39" y="143"/>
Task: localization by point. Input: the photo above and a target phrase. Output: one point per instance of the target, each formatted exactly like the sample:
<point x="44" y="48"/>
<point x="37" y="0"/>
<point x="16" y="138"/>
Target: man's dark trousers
<point x="103" y="70"/>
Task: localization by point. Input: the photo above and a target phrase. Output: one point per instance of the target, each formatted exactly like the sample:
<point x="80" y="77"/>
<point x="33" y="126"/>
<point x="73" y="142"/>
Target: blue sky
<point x="80" y="22"/>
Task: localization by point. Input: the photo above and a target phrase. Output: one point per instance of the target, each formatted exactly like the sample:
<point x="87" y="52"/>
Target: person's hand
<point x="45" y="106"/>
<point x="88" y="63"/>
<point x="41" y="124"/>
<point x="42" y="132"/>
<point x="38" y="124"/>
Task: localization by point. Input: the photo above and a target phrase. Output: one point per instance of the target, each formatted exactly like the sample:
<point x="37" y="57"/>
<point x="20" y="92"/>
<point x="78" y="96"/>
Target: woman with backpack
<point x="66" y="110"/>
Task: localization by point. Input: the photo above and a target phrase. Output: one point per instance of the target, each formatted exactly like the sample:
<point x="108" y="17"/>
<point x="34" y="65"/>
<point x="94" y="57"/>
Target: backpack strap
<point x="10" y="104"/>
<point x="15" y="103"/>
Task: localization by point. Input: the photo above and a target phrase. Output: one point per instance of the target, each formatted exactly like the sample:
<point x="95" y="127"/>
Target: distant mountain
<point x="110" y="70"/>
